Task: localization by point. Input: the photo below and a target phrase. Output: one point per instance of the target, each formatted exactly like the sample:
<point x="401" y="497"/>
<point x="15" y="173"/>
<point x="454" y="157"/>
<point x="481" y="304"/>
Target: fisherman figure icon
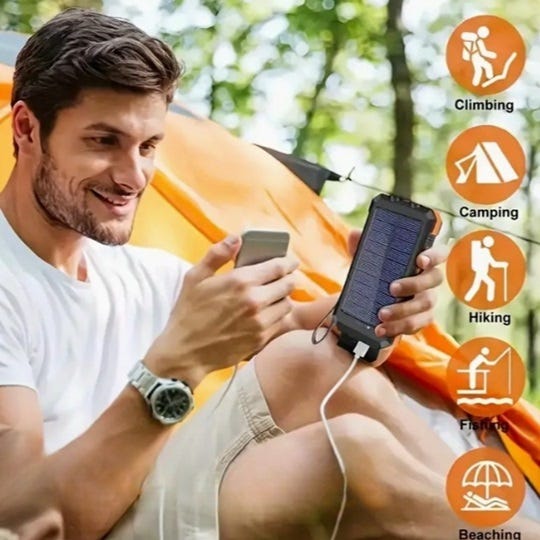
<point x="478" y="391"/>
<point x="486" y="377"/>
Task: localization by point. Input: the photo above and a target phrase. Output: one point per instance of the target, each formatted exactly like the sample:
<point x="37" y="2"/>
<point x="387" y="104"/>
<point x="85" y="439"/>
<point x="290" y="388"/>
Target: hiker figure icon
<point x="482" y="261"/>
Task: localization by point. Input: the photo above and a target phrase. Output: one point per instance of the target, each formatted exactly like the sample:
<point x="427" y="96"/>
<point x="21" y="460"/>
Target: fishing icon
<point x="486" y="376"/>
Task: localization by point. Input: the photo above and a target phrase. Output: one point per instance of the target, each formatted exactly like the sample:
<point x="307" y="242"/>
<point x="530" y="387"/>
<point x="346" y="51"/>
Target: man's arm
<point x="92" y="480"/>
<point x="95" y="478"/>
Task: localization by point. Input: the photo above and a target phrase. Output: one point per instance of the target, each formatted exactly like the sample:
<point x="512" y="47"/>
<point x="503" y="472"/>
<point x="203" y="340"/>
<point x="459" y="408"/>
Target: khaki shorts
<point x="179" y="500"/>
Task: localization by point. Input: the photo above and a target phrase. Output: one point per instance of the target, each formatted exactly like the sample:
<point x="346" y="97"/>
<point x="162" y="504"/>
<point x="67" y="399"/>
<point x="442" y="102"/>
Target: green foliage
<point x="317" y="72"/>
<point x="28" y="15"/>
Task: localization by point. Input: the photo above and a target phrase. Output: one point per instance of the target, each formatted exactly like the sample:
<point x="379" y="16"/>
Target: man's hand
<point x="411" y="315"/>
<point x="220" y="320"/>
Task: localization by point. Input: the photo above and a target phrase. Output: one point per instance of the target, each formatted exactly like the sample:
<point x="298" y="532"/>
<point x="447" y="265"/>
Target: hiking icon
<point x="482" y="261"/>
<point x="486" y="269"/>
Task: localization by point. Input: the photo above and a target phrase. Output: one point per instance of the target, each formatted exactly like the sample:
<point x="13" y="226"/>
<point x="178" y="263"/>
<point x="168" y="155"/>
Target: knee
<point x="48" y="526"/>
<point x="359" y="435"/>
<point x="292" y="359"/>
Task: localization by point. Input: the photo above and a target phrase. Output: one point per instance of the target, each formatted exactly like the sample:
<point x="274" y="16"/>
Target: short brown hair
<point x="80" y="49"/>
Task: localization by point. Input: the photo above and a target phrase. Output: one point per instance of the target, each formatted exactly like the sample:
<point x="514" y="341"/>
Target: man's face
<point x="97" y="162"/>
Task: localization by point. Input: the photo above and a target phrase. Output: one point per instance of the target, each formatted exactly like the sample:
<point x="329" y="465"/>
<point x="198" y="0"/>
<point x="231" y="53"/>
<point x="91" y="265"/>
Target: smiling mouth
<point x="112" y="199"/>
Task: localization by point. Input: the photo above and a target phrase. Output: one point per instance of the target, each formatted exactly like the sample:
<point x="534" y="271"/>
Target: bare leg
<point x="296" y="375"/>
<point x="290" y="487"/>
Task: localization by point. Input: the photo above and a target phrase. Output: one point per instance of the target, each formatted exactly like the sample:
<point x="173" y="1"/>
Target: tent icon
<point x="489" y="164"/>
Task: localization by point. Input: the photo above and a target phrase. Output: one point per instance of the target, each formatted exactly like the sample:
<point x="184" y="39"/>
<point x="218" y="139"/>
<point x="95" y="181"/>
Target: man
<point x="78" y="310"/>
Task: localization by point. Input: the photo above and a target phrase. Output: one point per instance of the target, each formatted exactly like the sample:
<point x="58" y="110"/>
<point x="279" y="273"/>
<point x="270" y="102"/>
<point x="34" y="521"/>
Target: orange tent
<point x="208" y="184"/>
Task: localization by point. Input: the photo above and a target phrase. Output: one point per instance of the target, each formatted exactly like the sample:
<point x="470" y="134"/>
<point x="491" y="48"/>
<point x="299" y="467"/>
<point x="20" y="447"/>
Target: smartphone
<point x="259" y="245"/>
<point x="395" y="232"/>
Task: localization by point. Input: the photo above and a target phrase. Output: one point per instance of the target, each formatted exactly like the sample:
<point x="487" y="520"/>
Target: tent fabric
<point x="208" y="184"/>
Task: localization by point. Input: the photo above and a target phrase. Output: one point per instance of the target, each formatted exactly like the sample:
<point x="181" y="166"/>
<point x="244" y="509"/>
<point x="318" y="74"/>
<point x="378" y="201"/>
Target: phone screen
<point x="387" y="245"/>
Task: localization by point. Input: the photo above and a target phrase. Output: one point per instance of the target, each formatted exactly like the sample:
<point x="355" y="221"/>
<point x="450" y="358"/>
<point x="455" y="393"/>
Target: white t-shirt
<point x="74" y="342"/>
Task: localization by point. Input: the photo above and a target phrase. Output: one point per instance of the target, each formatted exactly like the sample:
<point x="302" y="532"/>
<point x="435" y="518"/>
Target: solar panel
<point x="386" y="251"/>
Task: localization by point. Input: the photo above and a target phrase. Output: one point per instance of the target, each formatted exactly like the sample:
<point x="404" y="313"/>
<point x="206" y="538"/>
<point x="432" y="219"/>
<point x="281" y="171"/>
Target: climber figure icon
<point x="485" y="54"/>
<point x="476" y="52"/>
<point x="482" y="261"/>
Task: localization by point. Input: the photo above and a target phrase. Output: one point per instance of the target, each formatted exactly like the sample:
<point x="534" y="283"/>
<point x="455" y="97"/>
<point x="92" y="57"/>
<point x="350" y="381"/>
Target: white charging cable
<point x="360" y="350"/>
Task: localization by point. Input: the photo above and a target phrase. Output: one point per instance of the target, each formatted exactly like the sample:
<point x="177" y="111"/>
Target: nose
<point x="131" y="172"/>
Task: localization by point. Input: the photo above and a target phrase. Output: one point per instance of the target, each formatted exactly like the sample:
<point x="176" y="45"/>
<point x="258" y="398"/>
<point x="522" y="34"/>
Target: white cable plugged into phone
<point x="359" y="351"/>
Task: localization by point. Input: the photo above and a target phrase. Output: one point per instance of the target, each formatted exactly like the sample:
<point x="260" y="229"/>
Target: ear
<point x="25" y="127"/>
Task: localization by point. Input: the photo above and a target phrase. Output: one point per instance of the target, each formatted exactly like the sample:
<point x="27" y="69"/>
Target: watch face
<point x="171" y="403"/>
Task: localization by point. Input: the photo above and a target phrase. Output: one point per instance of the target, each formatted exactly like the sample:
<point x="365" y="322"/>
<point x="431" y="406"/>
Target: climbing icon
<point x="485" y="488"/>
<point x="485" y="269"/>
<point x="485" y="164"/>
<point x="486" y="377"/>
<point x="485" y="54"/>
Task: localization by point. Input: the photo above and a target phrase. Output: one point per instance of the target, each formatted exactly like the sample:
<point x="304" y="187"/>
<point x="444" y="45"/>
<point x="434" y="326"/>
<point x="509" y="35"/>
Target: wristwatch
<point x="170" y="400"/>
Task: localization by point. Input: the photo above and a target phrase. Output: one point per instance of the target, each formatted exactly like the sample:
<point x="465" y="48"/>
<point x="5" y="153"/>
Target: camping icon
<point x="485" y="164"/>
<point x="488" y="163"/>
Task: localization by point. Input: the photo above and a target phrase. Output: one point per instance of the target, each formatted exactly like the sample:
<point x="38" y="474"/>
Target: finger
<point x="266" y="272"/>
<point x="432" y="257"/>
<point x="424" y="301"/>
<point x="353" y="240"/>
<point x="274" y="313"/>
<point x="409" y="325"/>
<point x="265" y="295"/>
<point x="216" y="257"/>
<point x="410" y="286"/>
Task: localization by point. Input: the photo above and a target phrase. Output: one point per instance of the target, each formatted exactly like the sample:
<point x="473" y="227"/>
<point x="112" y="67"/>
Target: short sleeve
<point x="15" y="368"/>
<point x="165" y="270"/>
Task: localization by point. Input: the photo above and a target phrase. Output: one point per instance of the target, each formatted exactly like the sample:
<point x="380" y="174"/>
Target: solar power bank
<point x="396" y="231"/>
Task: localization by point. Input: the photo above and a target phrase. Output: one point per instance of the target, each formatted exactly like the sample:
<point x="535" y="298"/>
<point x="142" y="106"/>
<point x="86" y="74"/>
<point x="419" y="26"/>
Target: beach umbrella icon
<point x="487" y="473"/>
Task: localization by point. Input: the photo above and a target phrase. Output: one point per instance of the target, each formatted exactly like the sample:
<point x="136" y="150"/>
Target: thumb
<point x="216" y="257"/>
<point x="353" y="240"/>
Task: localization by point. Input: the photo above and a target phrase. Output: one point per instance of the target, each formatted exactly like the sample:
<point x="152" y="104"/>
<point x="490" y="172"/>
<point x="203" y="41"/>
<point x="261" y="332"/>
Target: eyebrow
<point x="103" y="126"/>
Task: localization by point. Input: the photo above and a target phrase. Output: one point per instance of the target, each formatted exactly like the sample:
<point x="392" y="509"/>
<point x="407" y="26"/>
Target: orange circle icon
<point x="485" y="54"/>
<point x="486" y="376"/>
<point x="485" y="269"/>
<point x="485" y="488"/>
<point x="485" y="164"/>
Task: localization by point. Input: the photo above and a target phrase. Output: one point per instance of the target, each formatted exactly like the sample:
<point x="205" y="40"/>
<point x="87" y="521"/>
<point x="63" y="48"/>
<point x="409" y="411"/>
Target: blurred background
<point x="357" y="85"/>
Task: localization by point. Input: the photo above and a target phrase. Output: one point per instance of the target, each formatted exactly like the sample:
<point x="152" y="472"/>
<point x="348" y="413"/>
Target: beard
<point x="69" y="209"/>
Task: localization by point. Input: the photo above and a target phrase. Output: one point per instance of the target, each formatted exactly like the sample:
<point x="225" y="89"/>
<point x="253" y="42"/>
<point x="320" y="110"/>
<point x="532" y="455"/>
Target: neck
<point x="56" y="245"/>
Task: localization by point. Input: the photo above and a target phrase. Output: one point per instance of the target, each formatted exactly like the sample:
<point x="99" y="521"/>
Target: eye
<point x="147" y="149"/>
<point x="106" y="140"/>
